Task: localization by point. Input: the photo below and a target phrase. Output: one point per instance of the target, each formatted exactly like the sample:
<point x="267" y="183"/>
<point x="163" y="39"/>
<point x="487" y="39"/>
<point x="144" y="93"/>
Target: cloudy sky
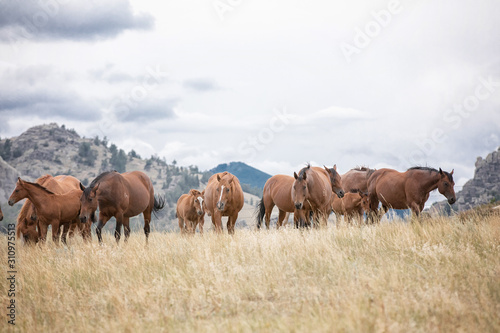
<point x="275" y="84"/>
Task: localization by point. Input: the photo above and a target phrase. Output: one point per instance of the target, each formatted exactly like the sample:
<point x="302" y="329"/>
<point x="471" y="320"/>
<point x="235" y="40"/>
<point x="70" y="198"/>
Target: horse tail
<point x="159" y="204"/>
<point x="260" y="212"/>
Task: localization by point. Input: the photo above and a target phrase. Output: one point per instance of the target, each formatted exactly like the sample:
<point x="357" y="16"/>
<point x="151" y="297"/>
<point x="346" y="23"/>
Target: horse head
<point x="28" y="228"/>
<point x="365" y="201"/>
<point x="19" y="192"/>
<point x="336" y="181"/>
<point x="300" y="190"/>
<point x="197" y="201"/>
<point x="88" y="203"/>
<point x="445" y="186"/>
<point x="223" y="190"/>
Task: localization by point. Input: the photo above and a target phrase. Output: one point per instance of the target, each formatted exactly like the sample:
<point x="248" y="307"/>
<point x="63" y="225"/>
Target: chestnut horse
<point x="277" y="192"/>
<point x="410" y="189"/>
<point x="357" y="179"/>
<point x="27" y="221"/>
<point x="190" y="211"/>
<point x="224" y="197"/>
<point x="122" y="195"/>
<point x="352" y="205"/>
<point x="316" y="186"/>
<point x="52" y="209"/>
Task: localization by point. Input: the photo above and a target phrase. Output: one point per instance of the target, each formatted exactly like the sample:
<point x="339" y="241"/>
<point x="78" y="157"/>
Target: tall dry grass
<point x="441" y="275"/>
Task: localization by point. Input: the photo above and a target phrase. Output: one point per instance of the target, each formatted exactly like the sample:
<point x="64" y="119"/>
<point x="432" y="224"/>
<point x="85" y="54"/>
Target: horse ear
<point x="440" y="171"/>
<point x="82" y="187"/>
<point x="218" y="178"/>
<point x="451" y="173"/>
<point x="231" y="180"/>
<point x="95" y="188"/>
<point x="305" y="176"/>
<point x="295" y="175"/>
<point x="335" y="167"/>
<point x="203" y="193"/>
<point x="327" y="170"/>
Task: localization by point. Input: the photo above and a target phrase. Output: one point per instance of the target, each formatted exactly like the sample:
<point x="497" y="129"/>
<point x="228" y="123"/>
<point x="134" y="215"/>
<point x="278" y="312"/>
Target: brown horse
<point x="357" y="179"/>
<point x="190" y="211"/>
<point x="52" y="209"/>
<point x="27" y="221"/>
<point x="316" y="186"/>
<point x="122" y="195"/>
<point x="352" y="205"/>
<point x="224" y="197"/>
<point x="410" y="189"/>
<point x="277" y="192"/>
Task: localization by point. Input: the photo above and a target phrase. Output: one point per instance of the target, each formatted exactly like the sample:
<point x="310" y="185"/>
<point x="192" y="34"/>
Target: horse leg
<point x="66" y="226"/>
<point x="118" y="227"/>
<point x="269" y="210"/>
<point x="201" y="222"/>
<point x="231" y="221"/>
<point x="126" y="229"/>
<point x="217" y="221"/>
<point x="100" y="224"/>
<point x="42" y="227"/>
<point x="281" y="218"/>
<point x="182" y="225"/>
<point x="56" y="232"/>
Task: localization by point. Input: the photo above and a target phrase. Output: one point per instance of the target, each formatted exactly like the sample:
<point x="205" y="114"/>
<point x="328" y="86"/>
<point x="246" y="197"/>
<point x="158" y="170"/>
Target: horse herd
<point x="311" y="194"/>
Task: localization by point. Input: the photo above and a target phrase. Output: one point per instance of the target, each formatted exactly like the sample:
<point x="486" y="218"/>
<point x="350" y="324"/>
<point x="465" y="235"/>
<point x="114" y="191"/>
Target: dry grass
<point x="437" y="276"/>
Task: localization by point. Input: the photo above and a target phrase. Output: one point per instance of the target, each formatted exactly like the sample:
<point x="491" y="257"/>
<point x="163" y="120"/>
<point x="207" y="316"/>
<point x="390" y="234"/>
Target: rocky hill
<point x="482" y="189"/>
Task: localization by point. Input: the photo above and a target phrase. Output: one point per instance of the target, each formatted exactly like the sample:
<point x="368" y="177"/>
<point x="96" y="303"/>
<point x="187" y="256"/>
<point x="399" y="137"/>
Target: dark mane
<point x="365" y="169"/>
<point x="96" y="181"/>
<point x="303" y="170"/>
<point x="354" y="190"/>
<point x="450" y="177"/>
<point x="40" y="187"/>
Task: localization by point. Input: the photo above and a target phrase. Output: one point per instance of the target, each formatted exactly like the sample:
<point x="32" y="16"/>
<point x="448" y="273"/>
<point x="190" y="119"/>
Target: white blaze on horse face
<point x="221" y="191"/>
<point x="200" y="199"/>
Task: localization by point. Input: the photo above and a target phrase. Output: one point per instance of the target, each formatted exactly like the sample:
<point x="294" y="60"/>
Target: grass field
<point x="441" y="275"/>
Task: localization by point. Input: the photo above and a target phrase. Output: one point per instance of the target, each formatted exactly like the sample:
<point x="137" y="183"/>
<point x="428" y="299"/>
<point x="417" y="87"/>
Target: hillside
<point x="53" y="149"/>
<point x="247" y="175"/>
<point x="482" y="189"/>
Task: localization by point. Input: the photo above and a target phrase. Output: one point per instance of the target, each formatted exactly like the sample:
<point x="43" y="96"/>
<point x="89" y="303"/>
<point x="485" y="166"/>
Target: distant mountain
<point x="245" y="173"/>
<point x="484" y="188"/>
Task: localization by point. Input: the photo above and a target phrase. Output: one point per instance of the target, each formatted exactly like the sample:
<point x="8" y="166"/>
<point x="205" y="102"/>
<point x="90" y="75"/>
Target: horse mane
<point x="97" y="179"/>
<point x="303" y="170"/>
<point x="365" y="169"/>
<point x="40" y="187"/>
<point x="21" y="216"/>
<point x="450" y="176"/>
<point x="354" y="190"/>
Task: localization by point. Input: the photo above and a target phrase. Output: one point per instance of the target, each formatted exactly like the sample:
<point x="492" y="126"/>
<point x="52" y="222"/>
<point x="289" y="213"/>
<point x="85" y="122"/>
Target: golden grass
<point x="437" y="276"/>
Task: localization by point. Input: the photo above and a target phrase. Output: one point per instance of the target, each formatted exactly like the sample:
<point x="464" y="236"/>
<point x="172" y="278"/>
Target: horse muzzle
<point x="452" y="200"/>
<point x="11" y="202"/>
<point x="340" y="194"/>
<point x="200" y="213"/>
<point x="220" y="206"/>
<point x="83" y="219"/>
<point x="299" y="205"/>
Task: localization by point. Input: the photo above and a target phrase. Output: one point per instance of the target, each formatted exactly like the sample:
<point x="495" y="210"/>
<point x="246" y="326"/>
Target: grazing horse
<point x="190" y="211"/>
<point x="1" y="214"/>
<point x="357" y="179"/>
<point x="315" y="186"/>
<point x="224" y="197"/>
<point x="27" y="221"/>
<point x="122" y="195"/>
<point x="352" y="205"/>
<point x="277" y="192"/>
<point x="410" y="189"/>
<point x="51" y="208"/>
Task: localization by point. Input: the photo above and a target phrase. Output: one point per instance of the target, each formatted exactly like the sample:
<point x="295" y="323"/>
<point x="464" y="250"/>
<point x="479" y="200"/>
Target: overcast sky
<point x="275" y="84"/>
